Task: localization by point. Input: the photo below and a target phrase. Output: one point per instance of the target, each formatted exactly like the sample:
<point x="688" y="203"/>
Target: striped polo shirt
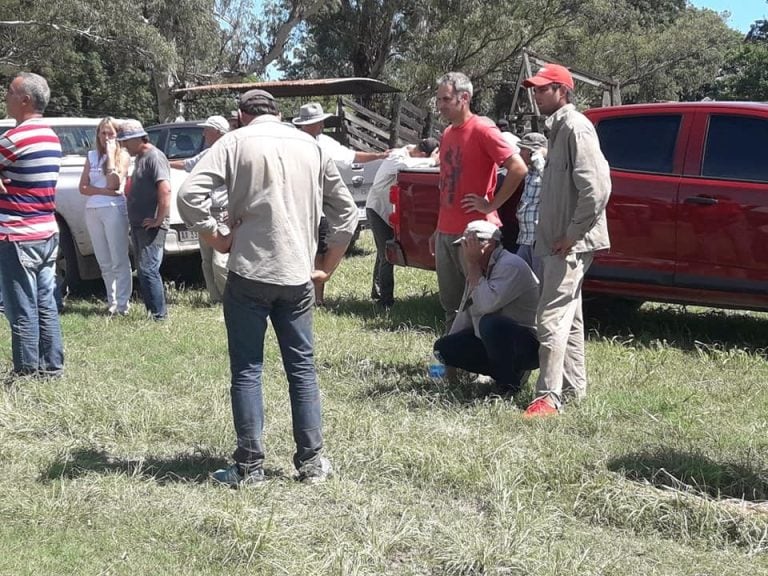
<point x="30" y="157"/>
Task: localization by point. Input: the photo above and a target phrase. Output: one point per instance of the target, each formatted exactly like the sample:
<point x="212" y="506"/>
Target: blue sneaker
<point x="235" y="478"/>
<point x="315" y="472"/>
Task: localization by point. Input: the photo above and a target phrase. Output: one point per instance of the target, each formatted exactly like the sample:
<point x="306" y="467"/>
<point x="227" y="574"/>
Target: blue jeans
<point x="28" y="279"/>
<point x="504" y="351"/>
<point x="148" y="249"/>
<point x="247" y="305"/>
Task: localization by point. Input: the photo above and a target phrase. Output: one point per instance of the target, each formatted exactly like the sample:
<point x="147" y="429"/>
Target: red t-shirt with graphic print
<point x="469" y="157"/>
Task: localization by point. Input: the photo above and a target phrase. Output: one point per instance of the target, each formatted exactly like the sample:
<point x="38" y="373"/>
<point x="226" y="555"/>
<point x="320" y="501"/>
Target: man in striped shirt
<point x="30" y="156"/>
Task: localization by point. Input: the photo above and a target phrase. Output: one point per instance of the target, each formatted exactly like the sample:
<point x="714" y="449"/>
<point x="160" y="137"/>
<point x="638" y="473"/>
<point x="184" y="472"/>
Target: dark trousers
<point x="504" y="351"/>
<point x="383" y="285"/>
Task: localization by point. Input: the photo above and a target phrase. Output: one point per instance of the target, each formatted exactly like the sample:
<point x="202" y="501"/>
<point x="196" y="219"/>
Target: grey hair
<point x="458" y="81"/>
<point x="36" y="88"/>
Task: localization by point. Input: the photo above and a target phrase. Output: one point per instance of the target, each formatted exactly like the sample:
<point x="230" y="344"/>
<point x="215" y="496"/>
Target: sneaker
<point x="542" y="406"/>
<point x="316" y="472"/>
<point x="234" y="477"/>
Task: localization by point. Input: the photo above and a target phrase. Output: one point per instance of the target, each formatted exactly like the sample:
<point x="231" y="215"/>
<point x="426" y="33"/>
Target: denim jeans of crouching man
<point x="247" y="306"/>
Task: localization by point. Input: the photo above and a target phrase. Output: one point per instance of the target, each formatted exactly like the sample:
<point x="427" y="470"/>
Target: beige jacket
<point x="575" y="186"/>
<point x="279" y="181"/>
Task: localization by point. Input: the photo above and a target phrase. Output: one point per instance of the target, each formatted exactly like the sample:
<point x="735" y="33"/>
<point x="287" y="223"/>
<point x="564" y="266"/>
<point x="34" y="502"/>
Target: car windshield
<point x="76" y="140"/>
<point x="184" y="142"/>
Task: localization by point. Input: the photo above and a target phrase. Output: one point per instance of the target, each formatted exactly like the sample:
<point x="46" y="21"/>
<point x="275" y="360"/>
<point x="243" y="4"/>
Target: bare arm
<point x="163" y="205"/>
<point x="516" y="171"/>
<point x="363" y="157"/>
<point x="115" y="175"/>
<point x="331" y="260"/>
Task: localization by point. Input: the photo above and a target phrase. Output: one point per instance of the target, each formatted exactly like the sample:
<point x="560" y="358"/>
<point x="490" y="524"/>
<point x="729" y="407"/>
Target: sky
<point x="743" y="12"/>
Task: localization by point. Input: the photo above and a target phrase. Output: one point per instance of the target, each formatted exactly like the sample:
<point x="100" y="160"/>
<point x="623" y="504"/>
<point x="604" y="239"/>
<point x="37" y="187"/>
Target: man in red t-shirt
<point x="470" y="153"/>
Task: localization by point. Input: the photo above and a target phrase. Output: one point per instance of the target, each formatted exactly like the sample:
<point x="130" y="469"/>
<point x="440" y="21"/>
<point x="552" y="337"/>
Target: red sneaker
<point x="542" y="406"/>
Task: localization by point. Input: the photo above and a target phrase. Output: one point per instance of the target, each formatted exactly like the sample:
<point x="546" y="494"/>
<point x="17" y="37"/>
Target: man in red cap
<point x="572" y="226"/>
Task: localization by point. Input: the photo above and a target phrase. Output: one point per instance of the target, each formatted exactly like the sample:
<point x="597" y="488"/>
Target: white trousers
<point x="108" y="228"/>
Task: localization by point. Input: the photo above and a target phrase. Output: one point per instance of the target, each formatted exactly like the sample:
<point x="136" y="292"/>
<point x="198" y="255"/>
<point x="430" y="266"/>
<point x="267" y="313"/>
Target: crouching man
<point x="494" y="332"/>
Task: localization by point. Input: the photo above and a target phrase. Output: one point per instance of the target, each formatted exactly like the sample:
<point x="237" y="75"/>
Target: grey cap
<point x="311" y="113"/>
<point x="253" y="96"/>
<point x="533" y="141"/>
<point x="428" y="145"/>
<point x="130" y="129"/>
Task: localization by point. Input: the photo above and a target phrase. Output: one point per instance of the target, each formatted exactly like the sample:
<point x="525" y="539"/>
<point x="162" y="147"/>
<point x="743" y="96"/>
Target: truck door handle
<point x="701" y="200"/>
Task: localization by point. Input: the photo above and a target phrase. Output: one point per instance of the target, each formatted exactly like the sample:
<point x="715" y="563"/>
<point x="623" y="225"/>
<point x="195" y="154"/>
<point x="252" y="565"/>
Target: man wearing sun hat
<point x="494" y="332"/>
<point x="212" y="262"/>
<point x="311" y="119"/>
<point x="572" y="226"/>
<point x="149" y="205"/>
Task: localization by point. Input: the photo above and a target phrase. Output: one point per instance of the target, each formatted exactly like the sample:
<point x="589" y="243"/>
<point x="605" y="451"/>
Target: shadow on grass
<point x="690" y="471"/>
<point x="412" y="311"/>
<point x="682" y="328"/>
<point x="188" y="468"/>
<point x="411" y="380"/>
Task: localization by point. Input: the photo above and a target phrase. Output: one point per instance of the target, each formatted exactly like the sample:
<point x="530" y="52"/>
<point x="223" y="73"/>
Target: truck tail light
<point x="394" y="218"/>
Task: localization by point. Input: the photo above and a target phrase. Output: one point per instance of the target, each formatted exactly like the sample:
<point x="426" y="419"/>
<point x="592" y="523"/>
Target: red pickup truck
<point x="688" y="214"/>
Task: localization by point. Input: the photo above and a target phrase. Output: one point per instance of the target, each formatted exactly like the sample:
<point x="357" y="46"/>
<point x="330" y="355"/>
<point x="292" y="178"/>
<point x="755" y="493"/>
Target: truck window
<point x="640" y="143"/>
<point x="735" y="148"/>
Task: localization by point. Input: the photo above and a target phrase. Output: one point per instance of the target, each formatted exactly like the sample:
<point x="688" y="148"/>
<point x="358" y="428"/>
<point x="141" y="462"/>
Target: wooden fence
<point x="366" y="130"/>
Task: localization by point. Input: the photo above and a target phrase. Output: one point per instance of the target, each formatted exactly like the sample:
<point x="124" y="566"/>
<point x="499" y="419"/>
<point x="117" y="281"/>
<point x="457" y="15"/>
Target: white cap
<point x="483" y="229"/>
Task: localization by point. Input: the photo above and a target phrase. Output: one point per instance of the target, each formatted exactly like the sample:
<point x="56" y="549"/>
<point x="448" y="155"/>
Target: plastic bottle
<point x="436" y="368"/>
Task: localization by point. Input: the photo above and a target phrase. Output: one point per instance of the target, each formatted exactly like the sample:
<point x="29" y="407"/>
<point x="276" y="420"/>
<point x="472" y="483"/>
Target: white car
<point x="76" y="261"/>
<point x="180" y="140"/>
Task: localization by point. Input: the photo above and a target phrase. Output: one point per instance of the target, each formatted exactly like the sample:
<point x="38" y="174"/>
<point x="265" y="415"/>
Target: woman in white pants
<point x="106" y="216"/>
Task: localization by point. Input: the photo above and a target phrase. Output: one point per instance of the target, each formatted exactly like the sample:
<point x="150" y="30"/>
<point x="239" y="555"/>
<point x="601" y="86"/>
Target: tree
<point x="411" y="44"/>
<point x="744" y="75"/>
<point x="125" y="57"/>
<point x="357" y="38"/>
<point x="656" y="49"/>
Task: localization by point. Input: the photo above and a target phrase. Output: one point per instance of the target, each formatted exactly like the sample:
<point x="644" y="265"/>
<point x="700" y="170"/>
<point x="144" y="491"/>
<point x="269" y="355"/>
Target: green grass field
<point x="662" y="471"/>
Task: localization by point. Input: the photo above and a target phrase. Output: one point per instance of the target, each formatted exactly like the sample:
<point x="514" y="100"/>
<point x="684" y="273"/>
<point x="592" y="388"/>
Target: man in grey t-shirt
<point x="149" y="201"/>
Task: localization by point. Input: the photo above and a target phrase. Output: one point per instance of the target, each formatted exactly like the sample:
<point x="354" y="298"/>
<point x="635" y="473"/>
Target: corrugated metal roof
<point x="297" y="88"/>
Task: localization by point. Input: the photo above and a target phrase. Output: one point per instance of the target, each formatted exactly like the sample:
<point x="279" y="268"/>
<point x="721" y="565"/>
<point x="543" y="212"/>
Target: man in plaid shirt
<point x="533" y="150"/>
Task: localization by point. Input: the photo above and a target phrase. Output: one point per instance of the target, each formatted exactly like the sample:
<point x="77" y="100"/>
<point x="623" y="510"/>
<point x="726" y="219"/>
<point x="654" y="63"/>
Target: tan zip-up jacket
<point x="575" y="186"/>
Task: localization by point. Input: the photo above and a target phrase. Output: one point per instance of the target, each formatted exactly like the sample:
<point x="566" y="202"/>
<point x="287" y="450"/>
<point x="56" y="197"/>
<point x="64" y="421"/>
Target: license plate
<point x="361" y="214"/>
<point x="187" y="236"/>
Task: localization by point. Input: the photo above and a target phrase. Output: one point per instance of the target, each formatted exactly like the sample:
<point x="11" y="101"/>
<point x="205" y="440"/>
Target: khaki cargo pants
<point x="450" y="275"/>
<point x="560" y="326"/>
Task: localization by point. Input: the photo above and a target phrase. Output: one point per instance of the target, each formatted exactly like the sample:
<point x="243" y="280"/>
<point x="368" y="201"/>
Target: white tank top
<point x="99" y="180"/>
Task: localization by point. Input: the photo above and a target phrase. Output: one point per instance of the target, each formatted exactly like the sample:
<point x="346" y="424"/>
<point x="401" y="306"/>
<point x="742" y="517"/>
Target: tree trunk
<point x="166" y="103"/>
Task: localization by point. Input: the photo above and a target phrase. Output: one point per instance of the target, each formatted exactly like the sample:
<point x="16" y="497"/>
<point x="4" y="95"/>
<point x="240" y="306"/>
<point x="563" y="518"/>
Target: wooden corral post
<point x="343" y="137"/>
<point x="429" y="123"/>
<point x="394" y="127"/>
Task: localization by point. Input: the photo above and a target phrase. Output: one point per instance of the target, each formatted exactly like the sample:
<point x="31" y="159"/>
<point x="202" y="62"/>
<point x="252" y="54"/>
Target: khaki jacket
<point x="575" y="187"/>
<point x="279" y="181"/>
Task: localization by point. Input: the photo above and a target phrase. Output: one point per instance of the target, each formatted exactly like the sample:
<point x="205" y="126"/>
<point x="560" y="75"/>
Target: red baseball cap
<point x="550" y="74"/>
